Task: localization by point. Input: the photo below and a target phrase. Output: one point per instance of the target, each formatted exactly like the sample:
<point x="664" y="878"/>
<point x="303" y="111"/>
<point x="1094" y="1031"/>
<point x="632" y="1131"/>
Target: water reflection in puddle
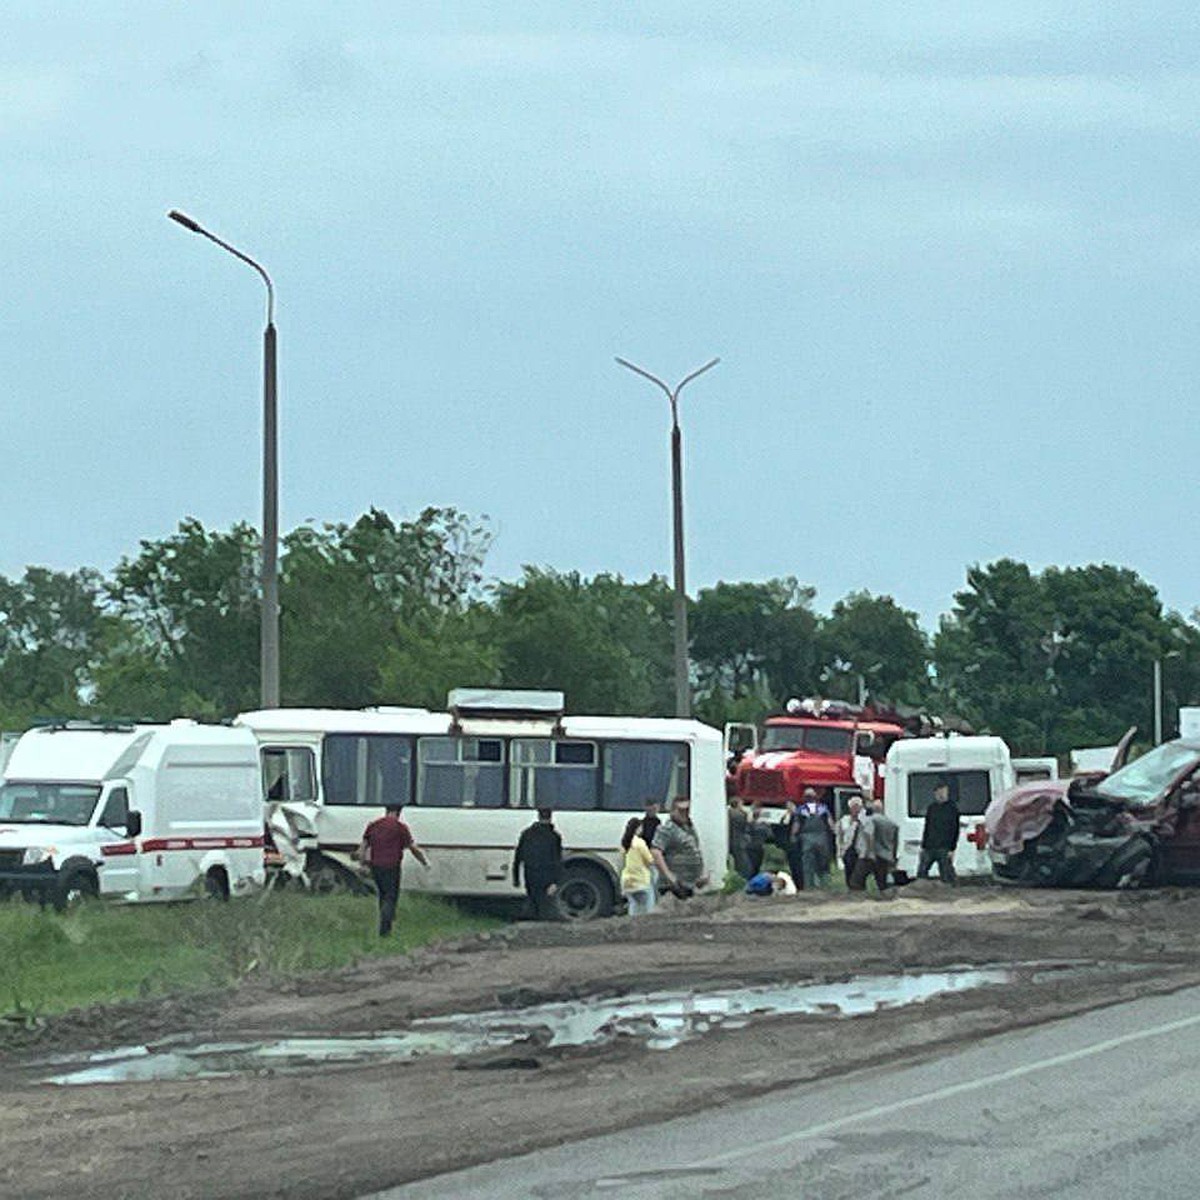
<point x="659" y="1019"/>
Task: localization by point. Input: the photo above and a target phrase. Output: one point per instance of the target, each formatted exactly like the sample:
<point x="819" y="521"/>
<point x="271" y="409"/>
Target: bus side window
<point x="289" y="774"/>
<point x="370" y="770"/>
<point x="554" y="774"/>
<point x="636" y="772"/>
<point x="460" y="772"/>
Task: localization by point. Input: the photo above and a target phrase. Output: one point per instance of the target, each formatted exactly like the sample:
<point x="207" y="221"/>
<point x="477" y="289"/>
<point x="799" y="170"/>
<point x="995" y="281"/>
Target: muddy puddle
<point x="658" y="1019"/>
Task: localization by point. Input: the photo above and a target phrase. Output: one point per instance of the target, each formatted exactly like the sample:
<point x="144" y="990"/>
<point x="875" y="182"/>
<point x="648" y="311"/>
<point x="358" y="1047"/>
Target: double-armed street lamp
<point x="683" y="691"/>
<point x="269" y="635"/>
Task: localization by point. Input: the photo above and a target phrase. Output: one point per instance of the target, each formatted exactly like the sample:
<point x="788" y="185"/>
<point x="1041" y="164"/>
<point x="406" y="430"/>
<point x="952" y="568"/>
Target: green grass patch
<point x="51" y="962"/>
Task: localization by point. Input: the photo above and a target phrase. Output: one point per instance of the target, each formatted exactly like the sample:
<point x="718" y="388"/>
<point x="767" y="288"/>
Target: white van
<point x="1034" y="770"/>
<point x="975" y="768"/>
<point x="131" y="812"/>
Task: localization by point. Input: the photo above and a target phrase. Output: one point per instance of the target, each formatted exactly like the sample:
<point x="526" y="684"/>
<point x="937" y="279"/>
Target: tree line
<point x="386" y="611"/>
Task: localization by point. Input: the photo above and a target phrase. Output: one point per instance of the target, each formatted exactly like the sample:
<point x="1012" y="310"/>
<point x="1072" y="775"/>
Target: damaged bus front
<point x="1139" y="825"/>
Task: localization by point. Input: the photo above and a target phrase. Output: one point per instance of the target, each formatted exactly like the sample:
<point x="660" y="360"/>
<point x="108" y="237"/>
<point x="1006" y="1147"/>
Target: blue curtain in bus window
<point x="570" y="783"/>
<point x="369" y="771"/>
<point x="640" y="771"/>
<point x="389" y="769"/>
<point x="340" y="769"/>
<point x="461" y="772"/>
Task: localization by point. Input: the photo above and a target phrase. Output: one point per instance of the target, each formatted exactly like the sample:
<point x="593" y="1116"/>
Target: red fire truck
<point x="823" y="744"/>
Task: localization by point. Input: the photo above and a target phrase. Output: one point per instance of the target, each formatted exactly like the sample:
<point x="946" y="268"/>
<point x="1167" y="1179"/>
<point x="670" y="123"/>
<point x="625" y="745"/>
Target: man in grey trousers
<point x="882" y="837"/>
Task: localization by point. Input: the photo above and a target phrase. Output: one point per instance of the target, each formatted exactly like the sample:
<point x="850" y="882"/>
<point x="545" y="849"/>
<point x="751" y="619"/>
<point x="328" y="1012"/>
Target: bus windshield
<point x="47" y="803"/>
<point x="820" y="739"/>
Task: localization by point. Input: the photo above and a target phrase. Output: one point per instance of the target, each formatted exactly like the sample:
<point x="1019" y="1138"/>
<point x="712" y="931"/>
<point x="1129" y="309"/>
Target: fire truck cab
<point x="822" y="744"/>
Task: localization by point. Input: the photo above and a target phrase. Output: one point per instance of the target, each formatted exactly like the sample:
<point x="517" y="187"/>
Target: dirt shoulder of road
<point x="332" y="1133"/>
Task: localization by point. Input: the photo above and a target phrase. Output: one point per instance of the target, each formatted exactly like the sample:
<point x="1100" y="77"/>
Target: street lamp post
<point x="1158" y="702"/>
<point x="1158" y="695"/>
<point x="683" y="691"/>
<point x="269" y="633"/>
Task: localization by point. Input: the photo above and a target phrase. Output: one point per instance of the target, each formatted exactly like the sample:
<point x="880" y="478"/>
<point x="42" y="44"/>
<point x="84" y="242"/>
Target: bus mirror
<point x="133" y="823"/>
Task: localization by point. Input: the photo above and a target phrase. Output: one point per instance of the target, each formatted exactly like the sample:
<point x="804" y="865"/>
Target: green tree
<point x="605" y="642"/>
<point x="191" y="605"/>
<point x="753" y="646"/>
<point x="1110" y="628"/>
<point x="52" y="629"/>
<point x="384" y="610"/>
<point x="1059" y="659"/>
<point x="993" y="650"/>
<point x="873" y="637"/>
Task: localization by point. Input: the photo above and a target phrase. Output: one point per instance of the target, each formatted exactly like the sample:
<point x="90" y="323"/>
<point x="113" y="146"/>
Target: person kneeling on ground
<point x="384" y="842"/>
<point x="677" y="851"/>
<point x="539" y="852"/>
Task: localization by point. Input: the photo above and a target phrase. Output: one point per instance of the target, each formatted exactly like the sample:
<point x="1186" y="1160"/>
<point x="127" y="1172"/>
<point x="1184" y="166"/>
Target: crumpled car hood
<point x="1020" y="814"/>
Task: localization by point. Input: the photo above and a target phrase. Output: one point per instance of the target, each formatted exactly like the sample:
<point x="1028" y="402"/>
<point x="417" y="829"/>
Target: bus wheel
<point x="325" y="878"/>
<point x="585" y="893"/>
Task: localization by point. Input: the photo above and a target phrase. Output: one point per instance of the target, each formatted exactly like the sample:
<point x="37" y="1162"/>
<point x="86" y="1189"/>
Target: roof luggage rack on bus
<point x="82" y="725"/>
<point x="507" y="704"/>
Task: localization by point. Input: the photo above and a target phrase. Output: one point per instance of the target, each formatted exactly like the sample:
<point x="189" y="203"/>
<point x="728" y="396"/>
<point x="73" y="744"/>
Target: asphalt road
<point x="1103" y="1105"/>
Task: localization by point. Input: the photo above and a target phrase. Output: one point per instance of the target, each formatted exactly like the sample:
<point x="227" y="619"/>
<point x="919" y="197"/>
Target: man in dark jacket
<point x="539" y="853"/>
<point x="940" y="835"/>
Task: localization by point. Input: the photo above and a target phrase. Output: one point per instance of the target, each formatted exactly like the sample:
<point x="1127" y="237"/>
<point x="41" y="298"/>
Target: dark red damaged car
<point x="1138" y="826"/>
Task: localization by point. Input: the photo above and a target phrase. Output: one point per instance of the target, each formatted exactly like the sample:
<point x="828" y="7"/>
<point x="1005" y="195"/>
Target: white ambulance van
<point x="974" y="769"/>
<point x="131" y="812"/>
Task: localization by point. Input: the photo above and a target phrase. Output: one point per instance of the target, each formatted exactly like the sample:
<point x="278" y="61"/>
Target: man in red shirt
<point x="383" y="845"/>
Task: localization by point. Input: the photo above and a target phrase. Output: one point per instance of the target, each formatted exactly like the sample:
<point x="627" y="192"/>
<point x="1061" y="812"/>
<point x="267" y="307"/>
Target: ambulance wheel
<point x="77" y="886"/>
<point x="216" y="884"/>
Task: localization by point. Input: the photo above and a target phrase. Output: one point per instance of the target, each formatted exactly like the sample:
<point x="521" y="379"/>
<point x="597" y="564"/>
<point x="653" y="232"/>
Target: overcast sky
<point x="949" y="255"/>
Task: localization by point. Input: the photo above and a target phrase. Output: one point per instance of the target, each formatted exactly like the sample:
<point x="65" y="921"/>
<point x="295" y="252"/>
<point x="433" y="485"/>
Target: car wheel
<point x="585" y="893"/>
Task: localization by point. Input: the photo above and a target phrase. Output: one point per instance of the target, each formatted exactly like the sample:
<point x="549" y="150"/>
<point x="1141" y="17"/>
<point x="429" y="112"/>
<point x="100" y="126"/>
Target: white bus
<point x="471" y="778"/>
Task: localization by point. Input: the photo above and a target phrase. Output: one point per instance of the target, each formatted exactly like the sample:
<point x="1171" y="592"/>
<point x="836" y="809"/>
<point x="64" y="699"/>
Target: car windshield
<point x="817" y="738"/>
<point x="47" y="803"/>
<point x="1145" y="779"/>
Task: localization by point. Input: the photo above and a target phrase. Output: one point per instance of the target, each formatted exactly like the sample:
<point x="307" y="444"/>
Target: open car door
<point x="1121" y="757"/>
<point x="739" y="738"/>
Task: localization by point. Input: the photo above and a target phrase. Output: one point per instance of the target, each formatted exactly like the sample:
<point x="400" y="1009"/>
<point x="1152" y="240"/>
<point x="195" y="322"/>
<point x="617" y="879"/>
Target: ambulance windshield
<point x="46" y="803"/>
